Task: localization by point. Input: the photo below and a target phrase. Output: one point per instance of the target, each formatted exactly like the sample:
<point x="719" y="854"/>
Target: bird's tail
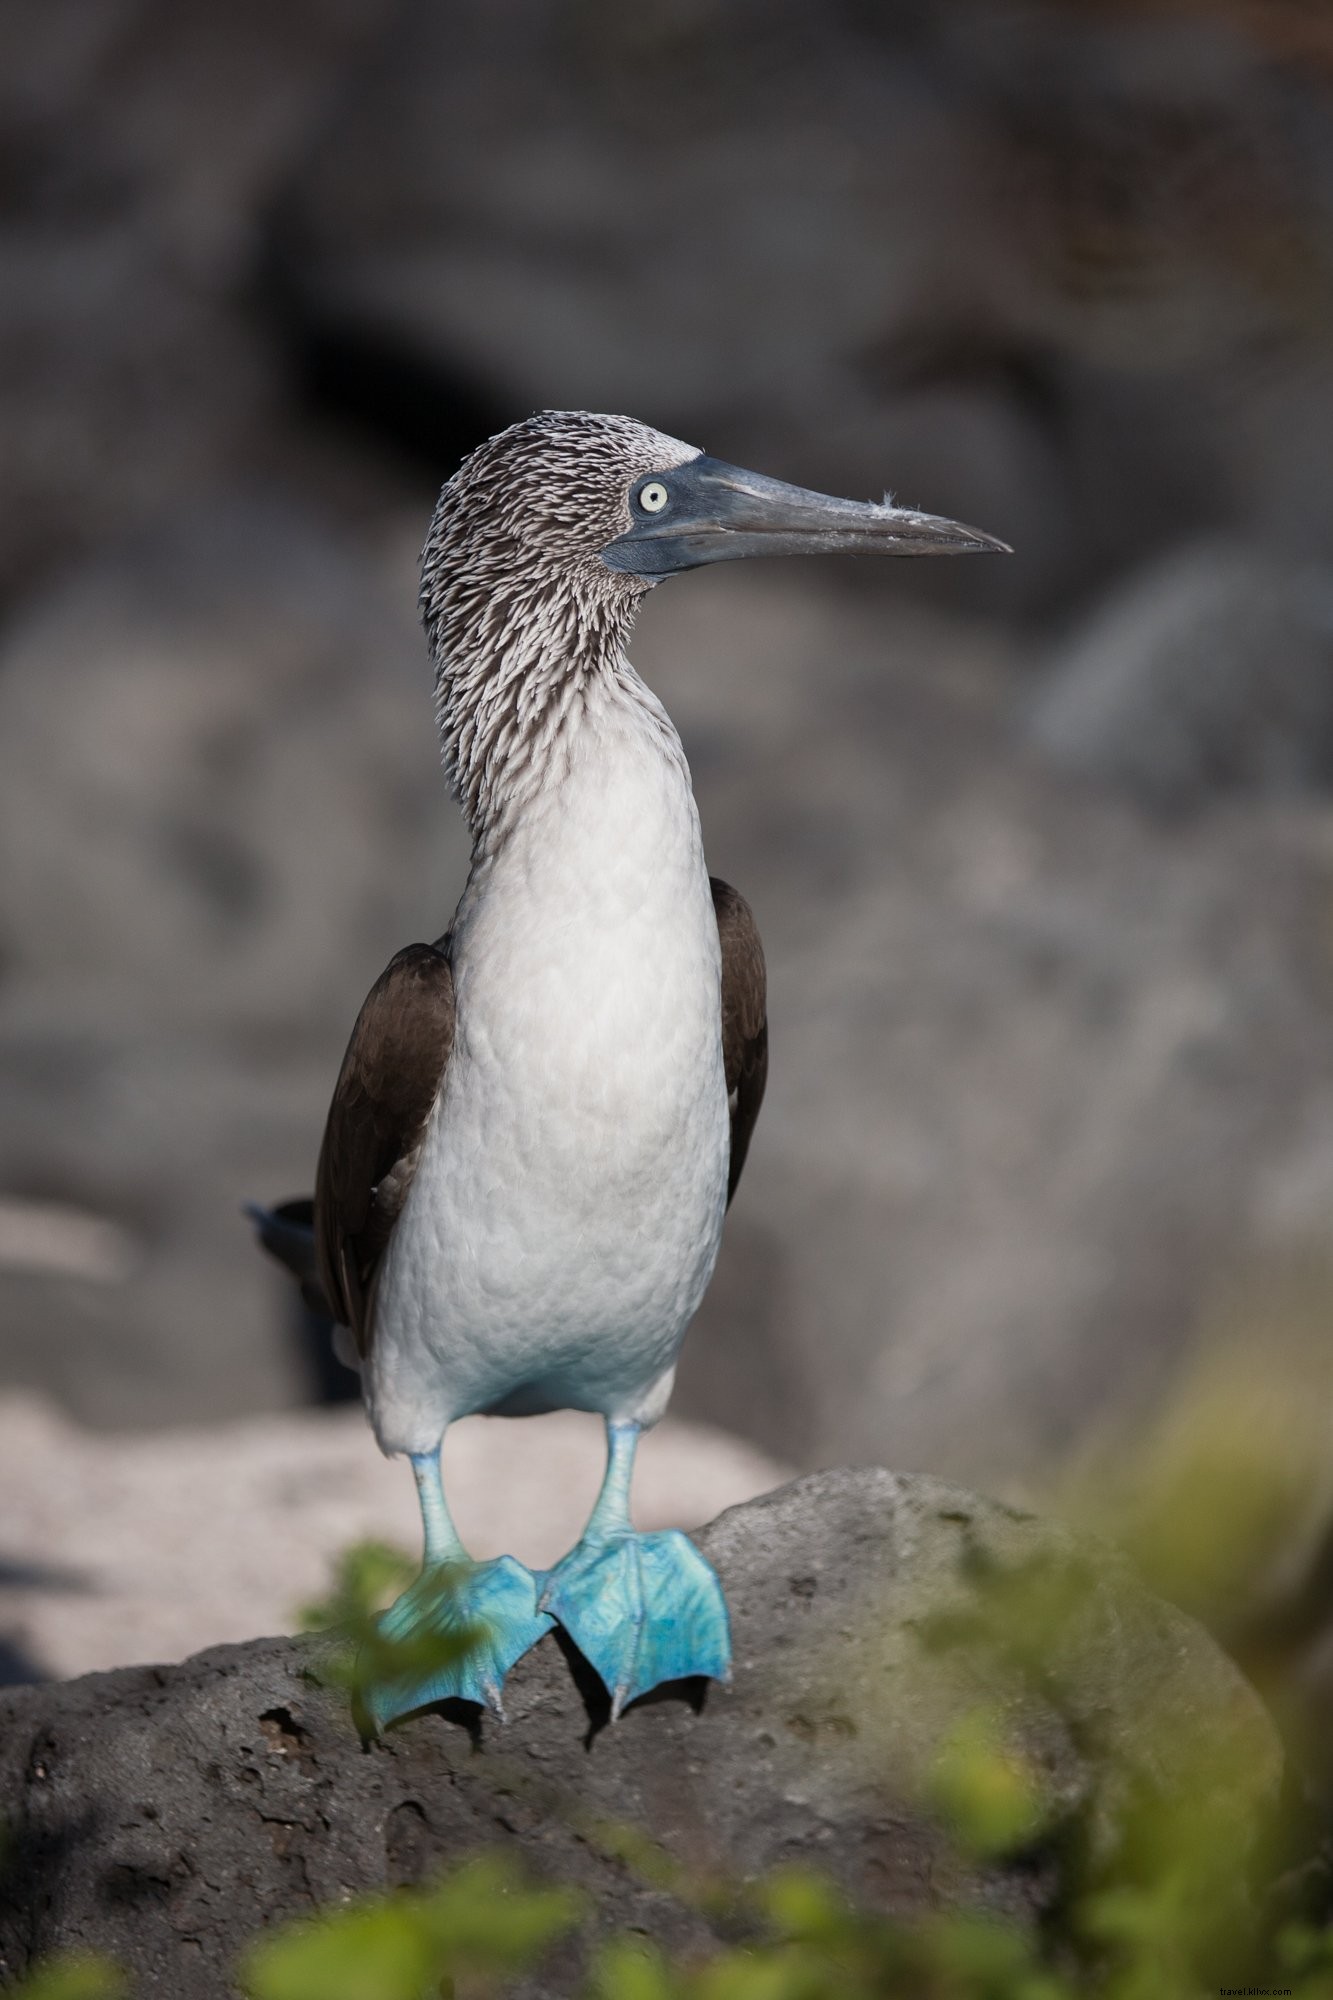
<point x="287" y="1232"/>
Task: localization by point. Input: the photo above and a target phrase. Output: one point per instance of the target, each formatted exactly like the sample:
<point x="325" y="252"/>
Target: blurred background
<point x="1041" y="849"/>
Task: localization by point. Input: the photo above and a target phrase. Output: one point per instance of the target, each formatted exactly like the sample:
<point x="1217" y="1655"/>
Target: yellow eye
<point x="653" y="497"/>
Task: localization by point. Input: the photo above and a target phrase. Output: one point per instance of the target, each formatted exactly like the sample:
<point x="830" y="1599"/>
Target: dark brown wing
<point x="390" y="1076"/>
<point x="744" y="1019"/>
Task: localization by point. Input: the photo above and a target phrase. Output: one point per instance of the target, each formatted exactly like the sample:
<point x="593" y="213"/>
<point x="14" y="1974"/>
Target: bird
<point x="541" y="1117"/>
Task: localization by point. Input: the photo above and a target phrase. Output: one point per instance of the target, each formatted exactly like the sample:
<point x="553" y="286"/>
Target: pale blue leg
<point x="642" y="1609"/>
<point x="461" y="1625"/>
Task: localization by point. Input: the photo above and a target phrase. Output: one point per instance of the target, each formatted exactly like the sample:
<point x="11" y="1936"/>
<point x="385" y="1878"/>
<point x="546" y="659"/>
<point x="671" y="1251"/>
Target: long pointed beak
<point x="717" y="513"/>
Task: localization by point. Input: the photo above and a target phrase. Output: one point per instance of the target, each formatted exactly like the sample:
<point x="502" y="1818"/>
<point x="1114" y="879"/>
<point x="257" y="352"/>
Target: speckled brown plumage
<point x="519" y="609"/>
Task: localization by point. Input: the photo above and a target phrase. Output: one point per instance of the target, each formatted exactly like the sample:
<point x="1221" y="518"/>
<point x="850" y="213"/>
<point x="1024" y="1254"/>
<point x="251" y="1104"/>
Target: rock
<point x="1050" y="1079"/>
<point x="158" y="1130"/>
<point x="1048" y="1075"/>
<point x="974" y="253"/>
<point x="140" y="142"/>
<point x="1212" y="671"/>
<point x="214" y="736"/>
<point x="148" y="1546"/>
<point x="162" y="1814"/>
<point x="221" y="801"/>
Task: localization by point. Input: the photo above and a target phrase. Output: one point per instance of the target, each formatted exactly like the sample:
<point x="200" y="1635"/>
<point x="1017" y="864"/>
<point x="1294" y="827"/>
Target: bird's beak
<point x="717" y="513"/>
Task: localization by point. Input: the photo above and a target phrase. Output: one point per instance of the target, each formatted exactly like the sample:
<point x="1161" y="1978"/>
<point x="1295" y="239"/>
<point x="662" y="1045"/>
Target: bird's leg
<point x="642" y="1609"/>
<point x="457" y="1630"/>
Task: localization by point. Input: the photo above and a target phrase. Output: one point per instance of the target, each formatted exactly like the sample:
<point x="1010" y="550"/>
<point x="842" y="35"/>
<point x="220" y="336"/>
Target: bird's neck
<point x="519" y="667"/>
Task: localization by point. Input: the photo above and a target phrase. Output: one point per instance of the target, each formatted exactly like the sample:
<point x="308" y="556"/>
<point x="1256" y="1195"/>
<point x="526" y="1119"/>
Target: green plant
<point x="357" y="1652"/>
<point x="72" y="1976"/>
<point x="479" y="1927"/>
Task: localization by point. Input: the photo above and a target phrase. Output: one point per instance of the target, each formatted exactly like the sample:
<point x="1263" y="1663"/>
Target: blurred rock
<point x="1068" y="273"/>
<point x="222" y="812"/>
<point x="158" y="1814"/>
<point x="1048" y="1076"/>
<point x="233" y="712"/>
<point x="1211" y="672"/>
<point x="159" y="1130"/>
<point x="148" y="1547"/>
<point x="1018" y="261"/>
<point x="139" y="140"/>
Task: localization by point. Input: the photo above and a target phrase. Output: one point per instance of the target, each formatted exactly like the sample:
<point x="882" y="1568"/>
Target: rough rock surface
<point x="147" y="1546"/>
<point x="164" y="1814"/>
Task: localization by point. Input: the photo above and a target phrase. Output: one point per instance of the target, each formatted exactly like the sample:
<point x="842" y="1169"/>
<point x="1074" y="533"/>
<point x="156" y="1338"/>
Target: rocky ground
<point x="162" y="1814"/>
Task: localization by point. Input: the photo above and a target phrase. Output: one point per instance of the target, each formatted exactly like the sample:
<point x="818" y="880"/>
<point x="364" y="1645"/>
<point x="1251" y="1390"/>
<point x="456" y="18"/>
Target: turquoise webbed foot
<point x="642" y="1609"/>
<point x="453" y="1634"/>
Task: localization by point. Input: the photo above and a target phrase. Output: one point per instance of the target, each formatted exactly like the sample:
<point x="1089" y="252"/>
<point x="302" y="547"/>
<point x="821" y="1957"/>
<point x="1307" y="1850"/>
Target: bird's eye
<point x="653" y="497"/>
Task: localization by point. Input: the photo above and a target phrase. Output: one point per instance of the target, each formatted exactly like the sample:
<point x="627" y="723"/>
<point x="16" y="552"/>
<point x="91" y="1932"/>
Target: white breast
<point x="566" y="1212"/>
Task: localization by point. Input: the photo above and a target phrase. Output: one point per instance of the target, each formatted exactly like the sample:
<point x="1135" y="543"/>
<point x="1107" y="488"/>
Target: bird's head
<point x="544" y="542"/>
<point x="611" y="507"/>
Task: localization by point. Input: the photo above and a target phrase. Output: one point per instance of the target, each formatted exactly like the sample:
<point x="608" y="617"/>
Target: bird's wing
<point x="390" y="1077"/>
<point x="744" y="1019"/>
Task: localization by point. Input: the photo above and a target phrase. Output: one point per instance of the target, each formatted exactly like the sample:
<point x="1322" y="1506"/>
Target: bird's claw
<point x="642" y="1609"/>
<point x="453" y="1635"/>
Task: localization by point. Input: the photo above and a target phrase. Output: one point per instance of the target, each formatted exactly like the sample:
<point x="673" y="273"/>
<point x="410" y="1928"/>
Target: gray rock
<point x="233" y="712"/>
<point x="140" y="140"/>
<point x="1048" y="1076"/>
<point x="974" y="252"/>
<point x="1050" y="1079"/>
<point x="222" y="812"/>
<point x="1212" y="671"/>
<point x="163" y="1814"/>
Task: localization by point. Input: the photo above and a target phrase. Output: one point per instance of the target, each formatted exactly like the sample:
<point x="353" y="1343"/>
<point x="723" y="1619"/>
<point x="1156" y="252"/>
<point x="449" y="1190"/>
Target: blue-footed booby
<point x="542" y="1117"/>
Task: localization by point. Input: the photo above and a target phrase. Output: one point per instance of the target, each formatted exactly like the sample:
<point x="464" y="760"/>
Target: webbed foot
<point x="642" y="1609"/>
<point x="453" y="1634"/>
